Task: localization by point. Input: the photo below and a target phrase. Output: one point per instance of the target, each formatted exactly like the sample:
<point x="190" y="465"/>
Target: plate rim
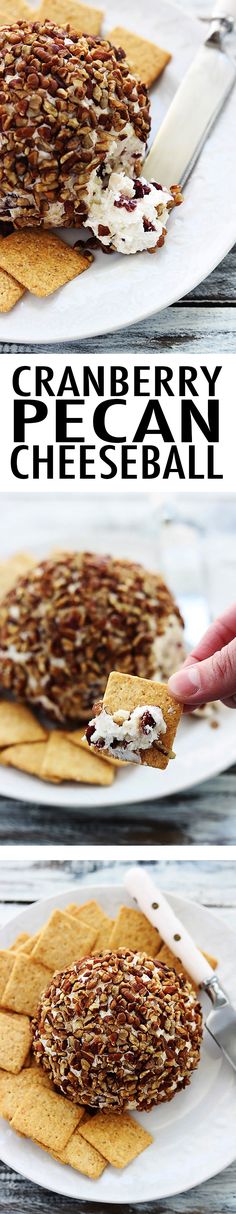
<point x="96" y="889"/>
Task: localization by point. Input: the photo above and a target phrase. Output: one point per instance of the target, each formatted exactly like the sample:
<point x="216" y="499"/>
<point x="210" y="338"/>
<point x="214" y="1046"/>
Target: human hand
<point x="209" y="672"/>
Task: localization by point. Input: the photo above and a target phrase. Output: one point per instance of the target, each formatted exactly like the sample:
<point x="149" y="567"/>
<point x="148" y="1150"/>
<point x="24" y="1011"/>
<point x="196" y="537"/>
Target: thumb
<point x="212" y="679"/>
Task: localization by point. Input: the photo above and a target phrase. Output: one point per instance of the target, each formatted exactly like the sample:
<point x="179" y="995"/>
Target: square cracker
<point x="102" y="942"/>
<point x="213" y="961"/>
<point x="26" y="983"/>
<point x="90" y="912"/>
<point x="93" y="914"/>
<point x="12" y="1088"/>
<point x="66" y="762"/>
<point x="116" y="1136"/>
<point x="16" y="566"/>
<point x="7" y="961"/>
<point x="10" y="290"/>
<point x="129" y="692"/>
<point x="40" y="260"/>
<point x="81" y="17"/>
<point x="13" y="10"/>
<point x="132" y="930"/>
<point x="80" y="1155"/>
<point x="48" y="1118"/>
<point x="78" y="739"/>
<point x="22" y="939"/>
<point x="15" y="1041"/>
<point x="147" y="59"/>
<point x="18" y="724"/>
<point x="63" y="941"/>
<point x="27" y="757"/>
<point x="27" y="948"/>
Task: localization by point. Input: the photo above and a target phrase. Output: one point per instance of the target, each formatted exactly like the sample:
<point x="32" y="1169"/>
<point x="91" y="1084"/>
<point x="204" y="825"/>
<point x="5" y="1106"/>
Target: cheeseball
<point x="70" y="108"/>
<point x="75" y="617"/>
<point x="119" y="1032"/>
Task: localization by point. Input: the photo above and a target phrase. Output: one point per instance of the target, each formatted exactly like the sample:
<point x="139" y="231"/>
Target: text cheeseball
<point x="119" y="1032"/>
<point x="75" y="617"/>
<point x="69" y="105"/>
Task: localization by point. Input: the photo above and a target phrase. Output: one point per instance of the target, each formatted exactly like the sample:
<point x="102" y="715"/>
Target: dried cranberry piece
<point x="148" y="226"/>
<point x="157" y="185"/>
<point x="140" y="188"/>
<point x="101" y="171"/>
<point x="129" y="204"/>
<point x="100" y="743"/>
<point x="102" y="230"/>
<point x="89" y="733"/>
<point x="147" y="722"/>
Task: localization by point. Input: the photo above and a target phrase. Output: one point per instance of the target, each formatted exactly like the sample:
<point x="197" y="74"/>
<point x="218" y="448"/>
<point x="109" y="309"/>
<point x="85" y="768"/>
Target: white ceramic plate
<point x="121" y="290"/>
<point x="201" y="752"/>
<point x="194" y="1135"/>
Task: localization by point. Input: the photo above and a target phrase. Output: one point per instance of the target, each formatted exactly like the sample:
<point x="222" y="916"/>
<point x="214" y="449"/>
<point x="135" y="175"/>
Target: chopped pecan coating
<point x="64" y="99"/>
<point x="72" y="620"/>
<point x="119" y="1031"/>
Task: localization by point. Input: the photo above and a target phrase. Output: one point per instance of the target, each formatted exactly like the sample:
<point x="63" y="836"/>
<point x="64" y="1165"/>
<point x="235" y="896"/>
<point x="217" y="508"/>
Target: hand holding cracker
<point x="136" y="720"/>
<point x="209" y="672"/>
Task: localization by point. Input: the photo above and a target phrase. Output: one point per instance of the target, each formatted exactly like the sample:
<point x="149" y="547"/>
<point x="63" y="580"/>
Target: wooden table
<point x="212" y="884"/>
<point x="204" y="814"/>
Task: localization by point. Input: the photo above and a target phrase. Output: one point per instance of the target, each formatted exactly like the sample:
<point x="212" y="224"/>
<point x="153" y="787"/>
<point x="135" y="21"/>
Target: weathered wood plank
<point x="183" y="327"/>
<point x="204" y="814"/>
<point x="211" y="883"/>
<point x="21" y="1197"/>
<point x="220" y="286"/>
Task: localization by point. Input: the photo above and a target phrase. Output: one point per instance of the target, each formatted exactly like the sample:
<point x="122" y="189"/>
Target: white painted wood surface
<point x="212" y="884"/>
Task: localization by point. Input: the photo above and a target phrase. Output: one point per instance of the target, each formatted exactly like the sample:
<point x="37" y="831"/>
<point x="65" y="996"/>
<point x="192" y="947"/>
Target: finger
<point x="212" y="679"/>
<point x="231" y="703"/>
<point x="219" y="633"/>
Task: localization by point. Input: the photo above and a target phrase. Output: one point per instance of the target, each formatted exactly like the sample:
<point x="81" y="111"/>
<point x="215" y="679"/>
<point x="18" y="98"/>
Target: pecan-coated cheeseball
<point x="75" y="617"/>
<point x="69" y="105"/>
<point x="119" y="1031"/>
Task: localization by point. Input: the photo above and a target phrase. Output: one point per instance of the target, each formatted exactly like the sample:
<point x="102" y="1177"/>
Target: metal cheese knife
<point x="221" y="1022"/>
<point x="197" y="102"/>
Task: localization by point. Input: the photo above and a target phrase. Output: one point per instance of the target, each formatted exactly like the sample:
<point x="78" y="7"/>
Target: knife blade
<point x="196" y="105"/>
<point x="221" y="1021"/>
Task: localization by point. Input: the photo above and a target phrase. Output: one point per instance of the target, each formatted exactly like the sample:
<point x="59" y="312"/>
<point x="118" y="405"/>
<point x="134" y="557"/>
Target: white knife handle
<point x="156" y="908"/>
<point x="224" y="8"/>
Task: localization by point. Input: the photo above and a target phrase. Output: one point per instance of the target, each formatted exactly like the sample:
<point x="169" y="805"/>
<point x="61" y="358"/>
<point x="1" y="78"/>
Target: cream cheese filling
<point x="130" y="215"/>
<point x="124" y="734"/>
